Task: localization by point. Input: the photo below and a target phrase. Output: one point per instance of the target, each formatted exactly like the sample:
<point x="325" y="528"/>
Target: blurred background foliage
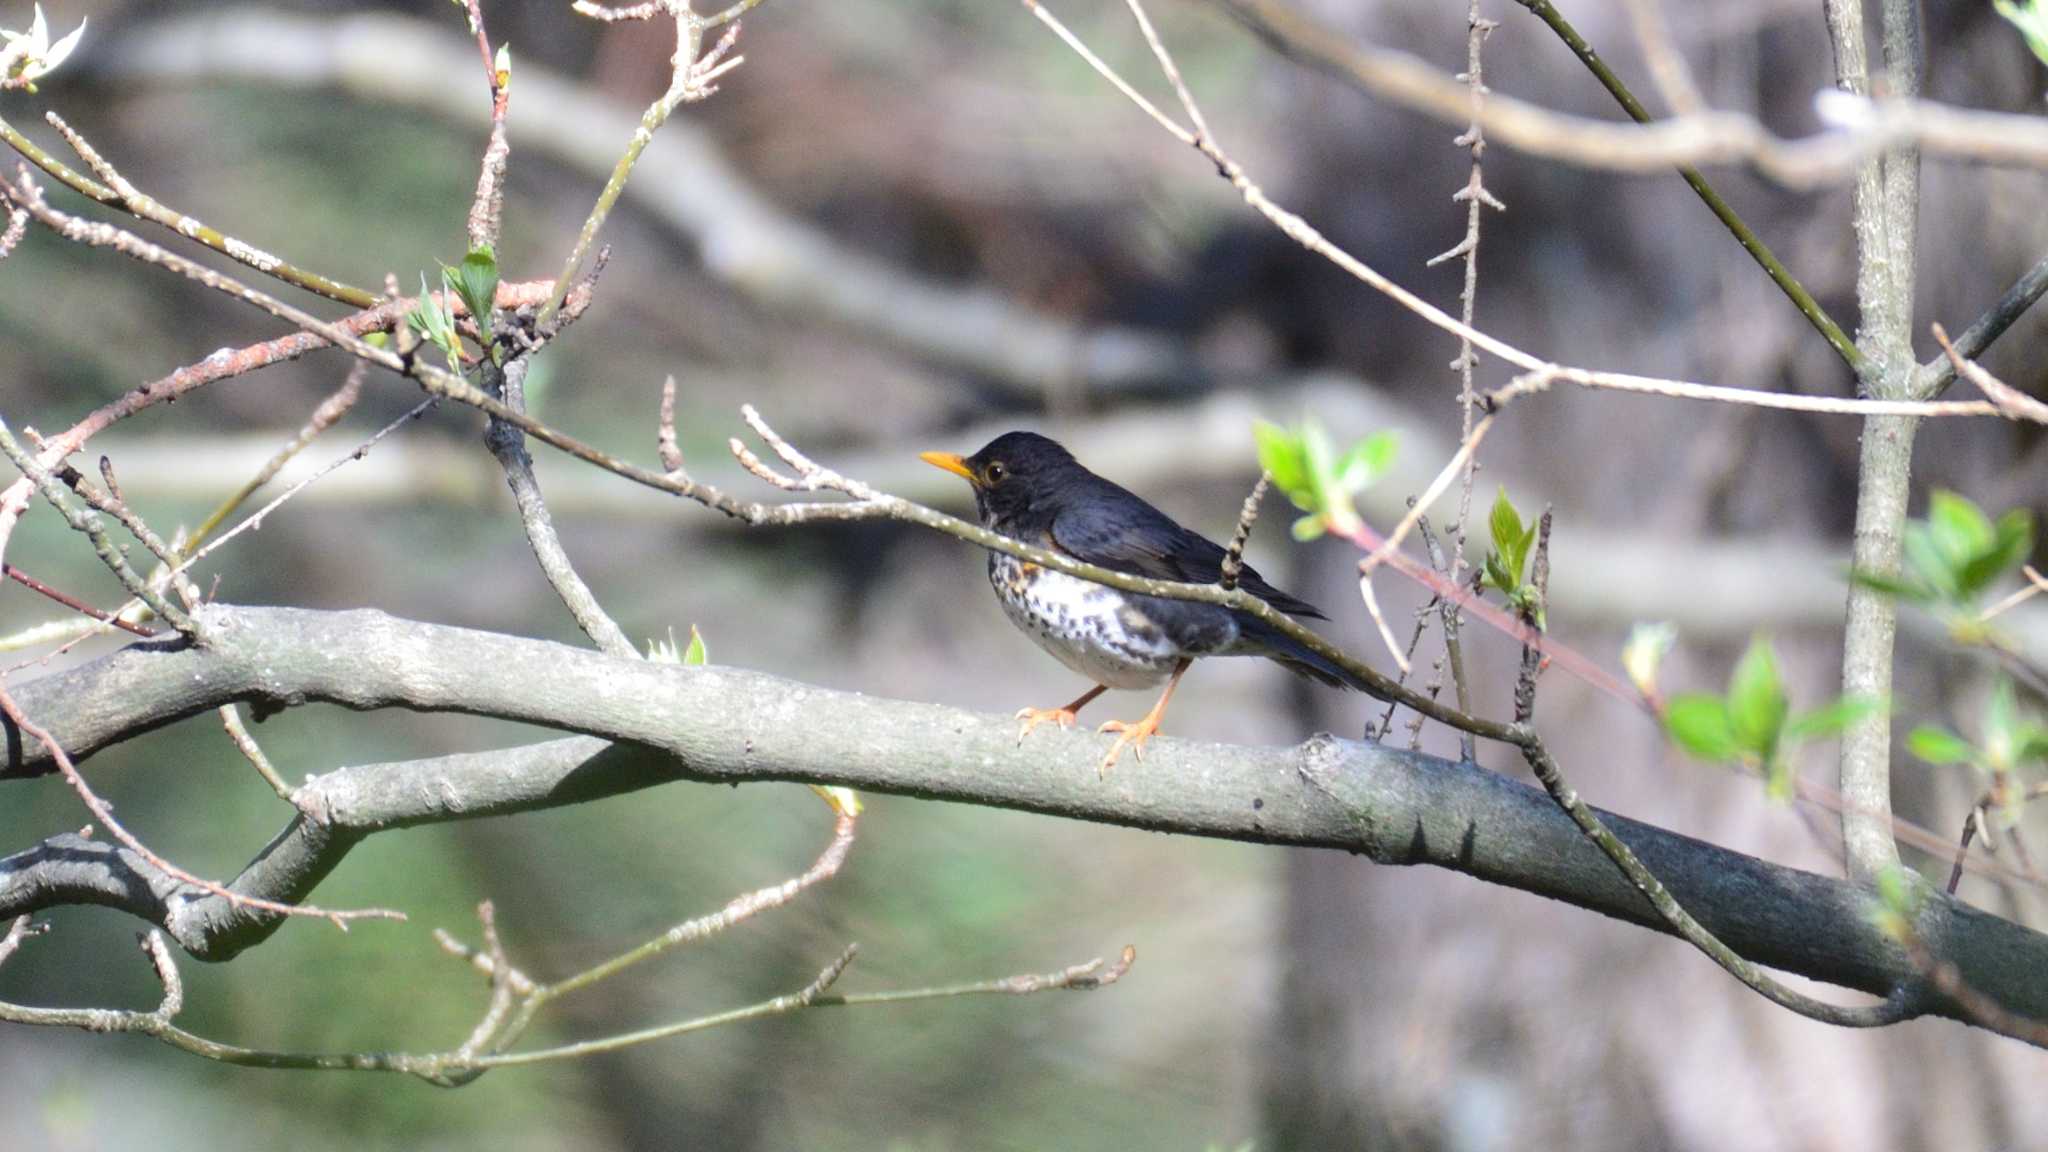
<point x="1295" y="1000"/>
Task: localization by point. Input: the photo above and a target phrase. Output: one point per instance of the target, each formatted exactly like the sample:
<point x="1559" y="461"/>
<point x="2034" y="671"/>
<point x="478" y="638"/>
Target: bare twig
<point x="1372" y="608"/>
<point x="1451" y="471"/>
<point x="1233" y="556"/>
<point x="73" y="602"/>
<point x="1541" y="373"/>
<point x="1474" y="196"/>
<point x="103" y="813"/>
<point x="1723" y="211"/>
<point x="88" y="522"/>
<point x="129" y="198"/>
<point x="508" y="445"/>
<point x="330" y="410"/>
<point x="2009" y="399"/>
<point x="1857" y="126"/>
<point x="736" y="911"/>
<point x="487" y="207"/>
<point x="665" y="446"/>
<point x="231" y="719"/>
<point x="693" y="76"/>
<point x="1668" y="69"/>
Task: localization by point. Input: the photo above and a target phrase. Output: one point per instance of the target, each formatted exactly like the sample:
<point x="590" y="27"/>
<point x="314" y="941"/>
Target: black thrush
<point x="1029" y="488"/>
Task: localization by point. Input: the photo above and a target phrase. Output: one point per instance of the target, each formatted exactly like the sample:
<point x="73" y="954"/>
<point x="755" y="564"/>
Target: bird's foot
<point x="1132" y="736"/>
<point x="1033" y="717"/>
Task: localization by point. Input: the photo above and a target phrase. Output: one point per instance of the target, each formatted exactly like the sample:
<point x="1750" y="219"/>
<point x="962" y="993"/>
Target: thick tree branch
<point x="727" y="725"/>
<point x="1887" y="203"/>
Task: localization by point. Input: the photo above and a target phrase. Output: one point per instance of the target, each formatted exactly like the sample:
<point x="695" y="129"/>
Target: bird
<point x="1031" y="489"/>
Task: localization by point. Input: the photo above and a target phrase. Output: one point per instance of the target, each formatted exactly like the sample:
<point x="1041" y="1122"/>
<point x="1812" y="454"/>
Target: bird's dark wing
<point x="1122" y="532"/>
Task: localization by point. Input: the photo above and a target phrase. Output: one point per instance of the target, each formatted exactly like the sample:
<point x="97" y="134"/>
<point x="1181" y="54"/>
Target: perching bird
<point x="1029" y="488"/>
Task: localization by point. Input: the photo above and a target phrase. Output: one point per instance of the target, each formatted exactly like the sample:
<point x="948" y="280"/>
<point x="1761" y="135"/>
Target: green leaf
<point x="1959" y="529"/>
<point x="435" y="323"/>
<point x="1756" y="700"/>
<point x="1924" y="558"/>
<point x="1698" y="723"/>
<point x="1938" y="745"/>
<point x="475" y="283"/>
<point x="2012" y="542"/>
<point x="1829" y="721"/>
<point x="1497" y="575"/>
<point x="1367" y="461"/>
<point x="696" y="653"/>
<point x="1505" y="525"/>
<point x="1280" y="455"/>
<point x="1319" y="458"/>
<point x="1307" y="528"/>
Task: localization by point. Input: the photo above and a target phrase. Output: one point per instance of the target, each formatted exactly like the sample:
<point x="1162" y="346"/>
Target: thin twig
<point x="135" y="202"/>
<point x="324" y="417"/>
<point x="2010" y="400"/>
<point x="1668" y="70"/>
<point x="665" y="446"/>
<point x="1233" y="556"/>
<point x="88" y="522"/>
<point x="1474" y="196"/>
<point x="736" y="911"/>
<point x="1899" y="1006"/>
<point x="1450" y="472"/>
<point x="231" y="719"/>
<point x="693" y="76"/>
<point x="73" y="602"/>
<point x="1541" y="373"/>
<point x="103" y="813"/>
<point x="487" y="207"/>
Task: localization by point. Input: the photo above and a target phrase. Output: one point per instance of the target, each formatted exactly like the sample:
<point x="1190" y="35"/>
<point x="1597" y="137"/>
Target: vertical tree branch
<point x="1887" y="201"/>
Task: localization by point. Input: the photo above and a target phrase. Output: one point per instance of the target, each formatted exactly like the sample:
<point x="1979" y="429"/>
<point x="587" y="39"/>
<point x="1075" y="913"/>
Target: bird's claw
<point x="1132" y="735"/>
<point x="1033" y="717"/>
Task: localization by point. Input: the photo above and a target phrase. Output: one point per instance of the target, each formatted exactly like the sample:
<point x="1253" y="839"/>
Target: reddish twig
<point x="72" y="602"/>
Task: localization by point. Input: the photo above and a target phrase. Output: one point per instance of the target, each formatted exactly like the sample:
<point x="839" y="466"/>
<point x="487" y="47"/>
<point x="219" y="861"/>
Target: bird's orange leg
<point x="1064" y="717"/>
<point x="1135" y="735"/>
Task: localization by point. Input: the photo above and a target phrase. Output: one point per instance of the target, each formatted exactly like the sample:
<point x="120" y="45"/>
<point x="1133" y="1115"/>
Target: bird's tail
<point x="1257" y="636"/>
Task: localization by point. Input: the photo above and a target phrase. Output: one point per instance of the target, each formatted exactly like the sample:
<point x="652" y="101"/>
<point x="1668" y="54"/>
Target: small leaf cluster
<point x="1317" y="478"/>
<point x="667" y="652"/>
<point x="2012" y="740"/>
<point x="1752" y="723"/>
<point x="1956" y="555"/>
<point x="475" y="283"/>
<point x="844" y="801"/>
<point x="1508" y="562"/>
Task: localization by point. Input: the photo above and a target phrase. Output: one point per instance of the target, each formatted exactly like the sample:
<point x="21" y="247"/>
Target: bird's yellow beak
<point x="951" y="462"/>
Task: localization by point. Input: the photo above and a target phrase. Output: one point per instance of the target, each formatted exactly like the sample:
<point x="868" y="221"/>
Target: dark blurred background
<point x="905" y="226"/>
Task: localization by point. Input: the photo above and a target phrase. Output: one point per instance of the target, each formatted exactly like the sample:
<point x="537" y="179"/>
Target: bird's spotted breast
<point x="1095" y="630"/>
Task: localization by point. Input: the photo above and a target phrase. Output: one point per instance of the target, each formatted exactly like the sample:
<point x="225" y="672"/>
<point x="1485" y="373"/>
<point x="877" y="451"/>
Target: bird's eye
<point x="996" y="471"/>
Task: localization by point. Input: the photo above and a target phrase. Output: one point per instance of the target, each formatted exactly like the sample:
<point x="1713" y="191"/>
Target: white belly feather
<point x="1085" y="626"/>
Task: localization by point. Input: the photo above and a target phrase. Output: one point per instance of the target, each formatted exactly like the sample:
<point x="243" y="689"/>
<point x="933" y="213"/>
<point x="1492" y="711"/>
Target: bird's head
<point x="1015" y="476"/>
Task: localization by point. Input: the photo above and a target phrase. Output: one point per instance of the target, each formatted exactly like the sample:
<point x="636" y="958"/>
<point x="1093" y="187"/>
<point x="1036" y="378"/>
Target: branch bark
<point x="1886" y="208"/>
<point x="726" y="725"/>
